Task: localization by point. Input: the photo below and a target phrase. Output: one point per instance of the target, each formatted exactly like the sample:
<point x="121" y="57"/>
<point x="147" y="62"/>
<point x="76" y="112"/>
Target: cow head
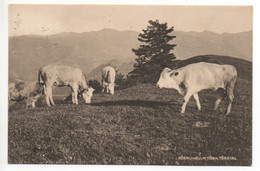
<point x="169" y="79"/>
<point x="87" y="94"/>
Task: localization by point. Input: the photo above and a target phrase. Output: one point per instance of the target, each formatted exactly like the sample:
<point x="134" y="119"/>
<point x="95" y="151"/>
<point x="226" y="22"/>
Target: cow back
<point x="108" y="74"/>
<point x="63" y="75"/>
<point x="207" y="75"/>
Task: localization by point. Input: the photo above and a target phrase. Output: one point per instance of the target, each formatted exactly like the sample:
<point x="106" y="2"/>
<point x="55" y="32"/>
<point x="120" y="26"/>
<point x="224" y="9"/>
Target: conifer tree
<point x="154" y="53"/>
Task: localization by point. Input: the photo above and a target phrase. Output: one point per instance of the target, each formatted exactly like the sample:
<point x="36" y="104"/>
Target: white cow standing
<point x="108" y="80"/>
<point x="64" y="76"/>
<point x="191" y="79"/>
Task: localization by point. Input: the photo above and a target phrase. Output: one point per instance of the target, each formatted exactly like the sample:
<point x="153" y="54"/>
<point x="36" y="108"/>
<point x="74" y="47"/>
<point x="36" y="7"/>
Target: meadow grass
<point x="140" y="125"/>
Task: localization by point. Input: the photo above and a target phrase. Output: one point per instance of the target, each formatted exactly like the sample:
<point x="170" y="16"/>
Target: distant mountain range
<point x="191" y="44"/>
<point x="91" y="51"/>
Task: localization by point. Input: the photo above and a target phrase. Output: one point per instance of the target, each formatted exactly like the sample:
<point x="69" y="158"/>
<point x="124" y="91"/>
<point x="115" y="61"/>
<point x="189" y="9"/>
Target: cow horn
<point x="167" y="69"/>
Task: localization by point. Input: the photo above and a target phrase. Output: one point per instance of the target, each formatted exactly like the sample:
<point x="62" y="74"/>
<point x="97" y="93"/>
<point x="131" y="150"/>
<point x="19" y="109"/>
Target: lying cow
<point x="64" y="76"/>
<point x="108" y="80"/>
<point x="191" y="79"/>
<point x="29" y="91"/>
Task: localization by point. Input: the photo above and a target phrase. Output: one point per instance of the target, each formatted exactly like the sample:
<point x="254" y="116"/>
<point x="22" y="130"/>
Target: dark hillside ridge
<point x="244" y="68"/>
<point x="123" y="67"/>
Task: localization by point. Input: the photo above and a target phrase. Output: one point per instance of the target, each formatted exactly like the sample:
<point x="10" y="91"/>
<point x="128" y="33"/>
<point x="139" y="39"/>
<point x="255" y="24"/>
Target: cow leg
<point x="196" y="97"/>
<point x="107" y="90"/>
<point x="28" y="102"/>
<point x="31" y="102"/>
<point x="230" y="94"/>
<point x="103" y="86"/>
<point x="221" y="96"/>
<point x="186" y="99"/>
<point x="72" y="96"/>
<point x="51" y="99"/>
<point x="217" y="103"/>
<point x="48" y="101"/>
<point x="75" y="92"/>
<point x="76" y="97"/>
<point x="35" y="98"/>
<point x="230" y="100"/>
<point x="47" y="94"/>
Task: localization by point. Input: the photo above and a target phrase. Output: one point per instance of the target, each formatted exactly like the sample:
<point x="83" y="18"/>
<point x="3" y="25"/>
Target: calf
<point x="64" y="76"/>
<point x="29" y="91"/>
<point x="108" y="80"/>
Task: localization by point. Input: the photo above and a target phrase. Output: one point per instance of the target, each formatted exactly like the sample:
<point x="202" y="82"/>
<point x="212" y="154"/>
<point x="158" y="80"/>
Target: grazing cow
<point x="21" y="90"/>
<point x="191" y="79"/>
<point x="108" y="80"/>
<point x="64" y="76"/>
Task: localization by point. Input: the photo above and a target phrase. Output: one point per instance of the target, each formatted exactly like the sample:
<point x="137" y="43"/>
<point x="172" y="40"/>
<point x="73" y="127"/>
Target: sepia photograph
<point x="94" y="84"/>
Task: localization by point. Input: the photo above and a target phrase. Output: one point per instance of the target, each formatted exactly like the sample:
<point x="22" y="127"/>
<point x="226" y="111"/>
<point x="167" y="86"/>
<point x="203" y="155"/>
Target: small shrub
<point x="96" y="85"/>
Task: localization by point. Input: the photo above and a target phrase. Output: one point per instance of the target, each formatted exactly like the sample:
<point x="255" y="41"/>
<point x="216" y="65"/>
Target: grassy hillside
<point x="138" y="125"/>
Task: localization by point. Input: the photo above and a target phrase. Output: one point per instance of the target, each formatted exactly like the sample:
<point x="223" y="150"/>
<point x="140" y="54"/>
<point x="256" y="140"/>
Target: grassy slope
<point x="138" y="125"/>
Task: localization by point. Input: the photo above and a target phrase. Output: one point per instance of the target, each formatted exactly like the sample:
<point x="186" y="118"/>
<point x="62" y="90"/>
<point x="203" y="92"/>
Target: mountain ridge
<point x="89" y="50"/>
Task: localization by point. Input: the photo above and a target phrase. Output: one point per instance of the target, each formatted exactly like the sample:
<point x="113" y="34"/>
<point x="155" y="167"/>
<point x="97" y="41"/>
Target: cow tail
<point x="231" y="84"/>
<point x="40" y="81"/>
<point x="84" y="82"/>
<point x="39" y="76"/>
<point x="109" y="76"/>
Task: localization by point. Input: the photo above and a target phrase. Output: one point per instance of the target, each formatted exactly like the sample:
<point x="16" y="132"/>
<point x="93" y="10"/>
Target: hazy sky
<point x="50" y="19"/>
